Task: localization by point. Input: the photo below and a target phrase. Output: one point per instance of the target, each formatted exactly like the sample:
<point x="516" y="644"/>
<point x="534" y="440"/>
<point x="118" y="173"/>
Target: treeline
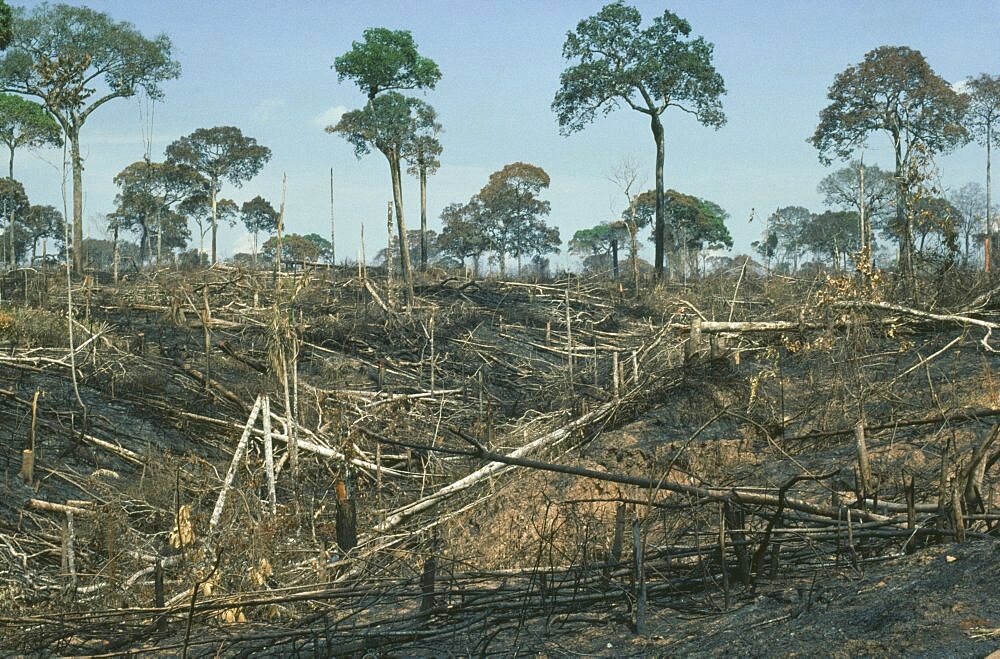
<point x="73" y="60"/>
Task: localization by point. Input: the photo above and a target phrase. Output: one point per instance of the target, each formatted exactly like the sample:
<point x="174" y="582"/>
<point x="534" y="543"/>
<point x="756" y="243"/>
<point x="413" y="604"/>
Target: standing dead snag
<point x="347" y="529"/>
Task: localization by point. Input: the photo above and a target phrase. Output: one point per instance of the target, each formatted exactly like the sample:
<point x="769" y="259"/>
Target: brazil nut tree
<point x="75" y="60"/>
<point x="382" y="65"/>
<point x="616" y="61"/>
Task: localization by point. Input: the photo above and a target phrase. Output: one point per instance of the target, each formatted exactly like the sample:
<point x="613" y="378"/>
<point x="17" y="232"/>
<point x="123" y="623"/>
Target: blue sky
<point x="264" y="66"/>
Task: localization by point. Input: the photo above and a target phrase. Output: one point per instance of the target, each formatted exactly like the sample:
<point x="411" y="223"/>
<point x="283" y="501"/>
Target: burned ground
<point x="501" y="445"/>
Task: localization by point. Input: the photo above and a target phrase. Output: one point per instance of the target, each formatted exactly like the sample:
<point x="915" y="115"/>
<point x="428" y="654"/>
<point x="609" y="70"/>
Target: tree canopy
<point x="512" y="214"/>
<point x="462" y="234"/>
<point x="617" y="61"/>
<point x="258" y="216"/>
<point x="895" y="91"/>
<point x="149" y="193"/>
<point x="76" y="59"/>
<point x="24" y="124"/>
<point x="386" y="60"/>
<point x="219" y="154"/>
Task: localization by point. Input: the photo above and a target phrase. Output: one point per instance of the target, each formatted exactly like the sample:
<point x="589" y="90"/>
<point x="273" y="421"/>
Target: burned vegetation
<point x="234" y="462"/>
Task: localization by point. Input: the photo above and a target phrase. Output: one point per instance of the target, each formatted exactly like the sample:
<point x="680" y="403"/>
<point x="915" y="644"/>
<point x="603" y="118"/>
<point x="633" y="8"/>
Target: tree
<point x="198" y="208"/>
<point x="436" y="256"/>
<point x="969" y="203"/>
<point x="462" y="234"/>
<point x="648" y="69"/>
<point x="707" y="231"/>
<point x="13" y="204"/>
<point x="24" y="124"/>
<point x="258" y="215"/>
<point x="983" y="121"/>
<point x="639" y="210"/>
<point x="598" y="246"/>
<point x="219" y="154"/>
<point x="387" y="61"/>
<point x="832" y="234"/>
<point x="76" y="59"/>
<point x="295" y="247"/>
<point x="422" y="152"/>
<point x="388" y="123"/>
<point x="41" y="223"/>
<point x="511" y="212"/>
<point x="842" y="190"/>
<point x="6" y="25"/>
<point x="784" y="228"/>
<point x="895" y="91"/>
<point x="691" y="225"/>
<point x="149" y="193"/>
<point x="936" y="217"/>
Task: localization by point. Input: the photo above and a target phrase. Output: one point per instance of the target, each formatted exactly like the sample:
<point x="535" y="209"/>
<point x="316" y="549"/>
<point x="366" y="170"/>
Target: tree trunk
<point x="404" y="247"/>
<point x="213" y="192"/>
<point x="905" y="258"/>
<point x="423" y="219"/>
<point x="11" y="170"/>
<point x="633" y="232"/>
<point x="614" y="258"/>
<point x="989" y="200"/>
<point x="74" y="141"/>
<point x="657" y="127"/>
<point x="143" y="243"/>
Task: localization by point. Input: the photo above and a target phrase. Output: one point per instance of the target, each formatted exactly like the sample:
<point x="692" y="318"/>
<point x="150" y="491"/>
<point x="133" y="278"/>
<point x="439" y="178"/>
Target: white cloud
<point x="961" y="87"/>
<point x="329" y="117"/>
<point x="267" y="108"/>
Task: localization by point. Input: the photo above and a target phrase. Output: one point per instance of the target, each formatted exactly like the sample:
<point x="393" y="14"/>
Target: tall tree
<point x="41" y="223"/>
<point x="462" y="233"/>
<point x="691" y="225"/>
<point x="13" y="205"/>
<point x="258" y="215"/>
<point x="639" y="210"/>
<point x="76" y="59"/>
<point x="969" y="202"/>
<point x="387" y="61"/>
<point x="650" y="70"/>
<point x="832" y="235"/>
<point x="512" y="214"/>
<point x="148" y="193"/>
<point x="785" y="227"/>
<point x="24" y="124"/>
<point x="842" y="189"/>
<point x="197" y="207"/>
<point x="983" y="121"/>
<point x="219" y="154"/>
<point x="422" y="152"/>
<point x="388" y="123"/>
<point x="894" y="91"/>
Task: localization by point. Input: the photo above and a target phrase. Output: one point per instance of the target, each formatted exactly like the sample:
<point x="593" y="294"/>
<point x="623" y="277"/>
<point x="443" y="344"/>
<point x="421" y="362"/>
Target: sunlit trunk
<point x="423" y="218"/>
<point x="74" y="141"/>
<point x="214" y="220"/>
<point x="404" y="247"/>
<point x="658" y="230"/>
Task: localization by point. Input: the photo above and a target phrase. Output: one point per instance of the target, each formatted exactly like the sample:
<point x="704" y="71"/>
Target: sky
<point x="264" y="66"/>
